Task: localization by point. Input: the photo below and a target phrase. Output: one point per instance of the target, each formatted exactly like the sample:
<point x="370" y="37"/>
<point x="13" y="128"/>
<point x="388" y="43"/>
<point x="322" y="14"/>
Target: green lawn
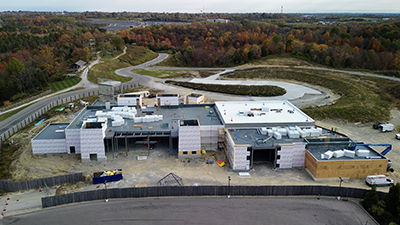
<point x="136" y="55"/>
<point x="174" y="73"/>
<point x="63" y="84"/>
<point x="106" y="71"/>
<point x="8" y="114"/>
<point x="362" y="100"/>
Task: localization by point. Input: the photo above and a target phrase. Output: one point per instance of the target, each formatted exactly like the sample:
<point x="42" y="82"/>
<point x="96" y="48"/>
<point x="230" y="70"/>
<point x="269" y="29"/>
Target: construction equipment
<point x="221" y="163"/>
<point x="107" y="176"/>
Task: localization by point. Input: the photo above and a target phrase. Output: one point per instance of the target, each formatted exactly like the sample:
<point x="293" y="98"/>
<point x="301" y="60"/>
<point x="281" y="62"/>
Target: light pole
<point x="105" y="187"/>
<point x="229" y="186"/>
<point x="340" y="188"/>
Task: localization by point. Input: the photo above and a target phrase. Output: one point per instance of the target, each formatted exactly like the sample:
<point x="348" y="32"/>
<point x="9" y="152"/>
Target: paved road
<point x="39" y="103"/>
<point x="293" y="91"/>
<point x="84" y="83"/>
<point x="144" y="80"/>
<point x="231" y="69"/>
<point x="176" y="211"/>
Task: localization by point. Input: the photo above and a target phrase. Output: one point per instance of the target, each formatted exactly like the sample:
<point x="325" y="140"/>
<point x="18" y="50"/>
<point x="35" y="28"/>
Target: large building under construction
<point x="275" y="133"/>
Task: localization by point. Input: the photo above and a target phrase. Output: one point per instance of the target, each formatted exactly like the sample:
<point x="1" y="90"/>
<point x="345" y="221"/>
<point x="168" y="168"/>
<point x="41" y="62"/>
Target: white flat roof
<point x="265" y="113"/>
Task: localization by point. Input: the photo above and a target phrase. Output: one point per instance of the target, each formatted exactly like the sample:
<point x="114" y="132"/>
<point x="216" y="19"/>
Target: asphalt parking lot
<point x="232" y="211"/>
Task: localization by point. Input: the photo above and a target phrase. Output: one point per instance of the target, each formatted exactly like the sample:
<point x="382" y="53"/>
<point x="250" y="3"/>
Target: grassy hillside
<point x="136" y="55"/>
<point x="174" y="73"/>
<point x="106" y="71"/>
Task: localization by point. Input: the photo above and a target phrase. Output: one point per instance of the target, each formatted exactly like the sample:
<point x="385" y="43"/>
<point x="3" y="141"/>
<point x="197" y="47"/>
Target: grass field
<point x="262" y="90"/>
<point x="106" y="71"/>
<point x="174" y="73"/>
<point x="136" y="55"/>
<point x="362" y="99"/>
<point x="63" y="84"/>
<point x="8" y="114"/>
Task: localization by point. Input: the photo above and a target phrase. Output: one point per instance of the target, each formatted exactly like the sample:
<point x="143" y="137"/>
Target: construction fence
<point x="9" y="185"/>
<point x="52" y="102"/>
<point x="179" y="191"/>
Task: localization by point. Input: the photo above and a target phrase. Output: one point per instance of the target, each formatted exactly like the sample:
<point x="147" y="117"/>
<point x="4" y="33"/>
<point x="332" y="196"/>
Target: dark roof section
<point x="80" y="63"/>
<point x="195" y="95"/>
<point x="189" y="123"/>
<point x="52" y="131"/>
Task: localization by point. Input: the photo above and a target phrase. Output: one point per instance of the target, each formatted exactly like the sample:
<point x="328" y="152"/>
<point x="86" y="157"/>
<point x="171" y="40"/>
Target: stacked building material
<point x="362" y="153"/>
<point x="338" y="153"/>
<point x="349" y="153"/>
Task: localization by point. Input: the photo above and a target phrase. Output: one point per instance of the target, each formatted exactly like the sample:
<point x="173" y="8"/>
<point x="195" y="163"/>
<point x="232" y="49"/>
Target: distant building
<point x="218" y="20"/>
<point x="78" y="65"/>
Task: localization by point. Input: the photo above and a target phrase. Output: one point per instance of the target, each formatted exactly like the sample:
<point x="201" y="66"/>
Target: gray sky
<point x="195" y="6"/>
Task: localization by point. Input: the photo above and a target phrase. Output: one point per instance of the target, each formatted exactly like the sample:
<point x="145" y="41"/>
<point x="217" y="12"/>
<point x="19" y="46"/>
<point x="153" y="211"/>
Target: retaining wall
<point x="10" y="185"/>
<point x="201" y="191"/>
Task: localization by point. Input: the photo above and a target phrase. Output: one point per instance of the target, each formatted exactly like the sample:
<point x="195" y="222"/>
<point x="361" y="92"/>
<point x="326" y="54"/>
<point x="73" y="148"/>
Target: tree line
<point x="385" y="208"/>
<point x="350" y="45"/>
<point x="36" y="49"/>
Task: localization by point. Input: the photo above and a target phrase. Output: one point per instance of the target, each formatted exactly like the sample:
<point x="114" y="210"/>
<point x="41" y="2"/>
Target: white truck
<point x="398" y="136"/>
<point x="384" y="127"/>
<point x="378" y="180"/>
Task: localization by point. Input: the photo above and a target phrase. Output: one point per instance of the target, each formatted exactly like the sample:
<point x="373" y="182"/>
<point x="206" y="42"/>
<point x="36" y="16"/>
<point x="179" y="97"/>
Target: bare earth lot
<point x="161" y="162"/>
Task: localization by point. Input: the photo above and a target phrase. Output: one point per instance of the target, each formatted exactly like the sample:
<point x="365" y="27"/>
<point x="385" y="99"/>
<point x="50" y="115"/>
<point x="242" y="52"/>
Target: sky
<point x="196" y="6"/>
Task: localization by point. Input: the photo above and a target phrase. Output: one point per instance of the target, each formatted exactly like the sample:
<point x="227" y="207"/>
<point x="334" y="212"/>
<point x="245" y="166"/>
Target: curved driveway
<point x="141" y="79"/>
<point x="39" y="103"/>
<point x="149" y="81"/>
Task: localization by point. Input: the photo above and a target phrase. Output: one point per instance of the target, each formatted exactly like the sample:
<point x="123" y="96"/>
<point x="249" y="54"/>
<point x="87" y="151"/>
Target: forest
<point x="347" y="45"/>
<point x="38" y="49"/>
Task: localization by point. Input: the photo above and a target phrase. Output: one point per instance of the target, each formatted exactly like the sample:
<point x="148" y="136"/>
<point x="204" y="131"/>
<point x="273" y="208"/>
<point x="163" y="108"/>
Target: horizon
<point x="207" y="6"/>
<point x="211" y="12"/>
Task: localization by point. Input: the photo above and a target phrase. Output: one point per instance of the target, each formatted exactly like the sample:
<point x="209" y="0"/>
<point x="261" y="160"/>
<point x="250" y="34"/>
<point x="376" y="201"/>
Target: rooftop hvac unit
<point x="277" y="135"/>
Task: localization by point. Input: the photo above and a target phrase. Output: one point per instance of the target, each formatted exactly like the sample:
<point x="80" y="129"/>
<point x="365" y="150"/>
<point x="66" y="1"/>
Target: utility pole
<point x="340" y="188"/>
<point x="105" y="188"/>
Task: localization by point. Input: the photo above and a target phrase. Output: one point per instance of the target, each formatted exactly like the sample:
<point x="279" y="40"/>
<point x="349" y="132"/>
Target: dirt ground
<point x="161" y="162"/>
<point x="365" y="133"/>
